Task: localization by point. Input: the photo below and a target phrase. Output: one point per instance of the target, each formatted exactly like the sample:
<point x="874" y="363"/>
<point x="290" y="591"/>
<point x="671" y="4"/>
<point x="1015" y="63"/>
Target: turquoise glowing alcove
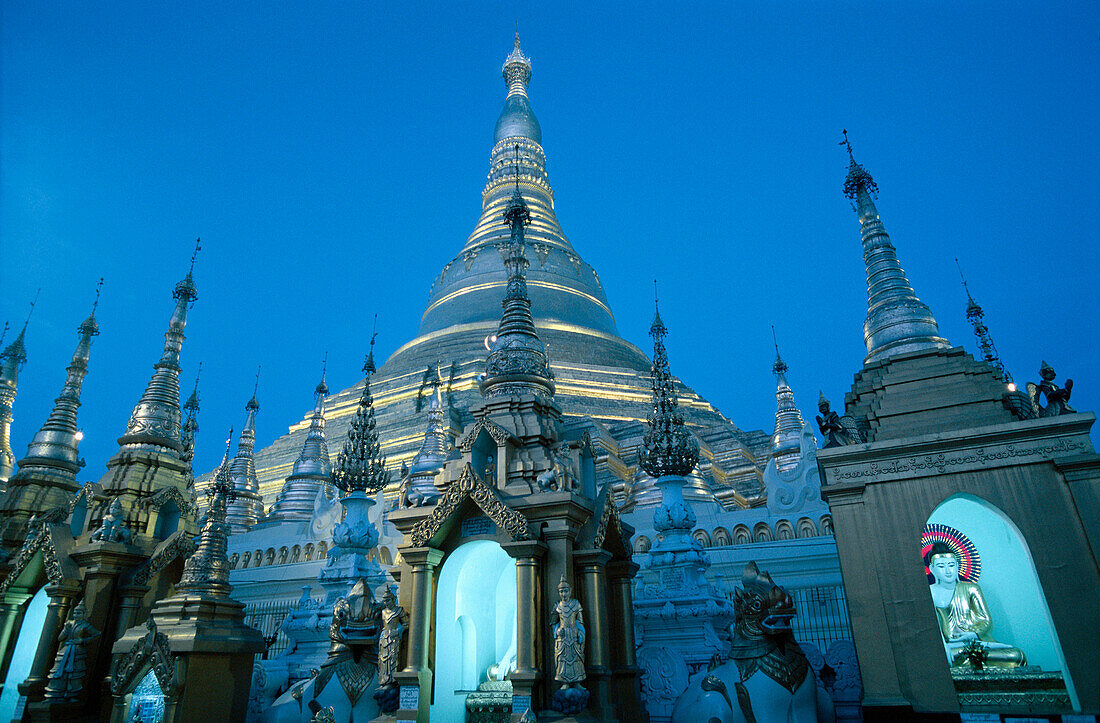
<point x="1008" y="580"/>
<point x="475" y="623"/>
<point x="23" y="655"/>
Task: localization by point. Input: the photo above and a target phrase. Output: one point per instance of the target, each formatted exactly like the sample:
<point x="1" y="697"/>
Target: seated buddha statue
<point x="963" y="614"/>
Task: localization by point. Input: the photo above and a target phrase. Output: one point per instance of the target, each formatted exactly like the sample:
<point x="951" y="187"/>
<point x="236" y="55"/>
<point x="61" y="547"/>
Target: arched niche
<point x="1008" y="580"/>
<point x="483" y="455"/>
<point x="23" y="655"/>
<point x="168" y="520"/>
<point x="475" y="622"/>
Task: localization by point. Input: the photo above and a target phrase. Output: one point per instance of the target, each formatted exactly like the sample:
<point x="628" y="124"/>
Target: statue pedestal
<point x="1010" y="689"/>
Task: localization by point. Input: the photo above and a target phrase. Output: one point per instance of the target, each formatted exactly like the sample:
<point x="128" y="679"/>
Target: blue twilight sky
<point x="331" y="156"/>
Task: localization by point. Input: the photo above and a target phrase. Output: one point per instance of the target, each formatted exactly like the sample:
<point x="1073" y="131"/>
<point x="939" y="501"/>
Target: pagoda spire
<point x="360" y="466"/>
<point x="206" y="571"/>
<point x="155" y="421"/>
<point x="897" y="321"/>
<point x="668" y="448"/>
<point x="55" y="444"/>
<point x="46" y="478"/>
<point x="517" y="70"/>
<point x="189" y="430"/>
<point x="12" y="359"/>
<point x="247" y="509"/>
<point x="975" y="315"/>
<point x="312" y="469"/>
<point x="517" y="361"/>
<point x="788" y="419"/>
<point x="431" y="457"/>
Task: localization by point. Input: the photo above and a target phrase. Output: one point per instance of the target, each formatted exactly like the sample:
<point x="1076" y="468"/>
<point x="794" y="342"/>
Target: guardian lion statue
<point x="767" y="677"/>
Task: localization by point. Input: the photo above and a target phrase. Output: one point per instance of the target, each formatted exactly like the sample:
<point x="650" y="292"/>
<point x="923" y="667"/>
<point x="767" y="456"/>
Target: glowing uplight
<point x="1011" y="386"/>
<point x="489" y="341"/>
<point x="79" y="435"/>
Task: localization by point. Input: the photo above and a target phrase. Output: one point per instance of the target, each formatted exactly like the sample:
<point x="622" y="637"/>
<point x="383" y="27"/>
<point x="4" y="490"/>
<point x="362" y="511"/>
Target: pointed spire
<point x="191" y="425"/>
<point x="368" y="363"/>
<point x="431" y="457"/>
<point x="517" y="69"/>
<point x="517" y="119"/>
<point x="14" y="355"/>
<point x="360" y="466"/>
<point x="55" y="444"/>
<point x="206" y="571"/>
<point x="975" y="315"/>
<point x="247" y="509"/>
<point x="786" y="436"/>
<point x="517" y="361"/>
<point x="155" y="420"/>
<point x="311" y="469"/>
<point x="668" y="448"/>
<point x="897" y="321"/>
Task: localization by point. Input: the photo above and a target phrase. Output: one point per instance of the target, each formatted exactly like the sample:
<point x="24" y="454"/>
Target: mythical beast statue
<point x="768" y="677"/>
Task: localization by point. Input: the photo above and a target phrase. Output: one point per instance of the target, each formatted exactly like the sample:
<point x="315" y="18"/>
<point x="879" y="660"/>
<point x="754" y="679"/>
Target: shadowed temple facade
<point x="520" y="516"/>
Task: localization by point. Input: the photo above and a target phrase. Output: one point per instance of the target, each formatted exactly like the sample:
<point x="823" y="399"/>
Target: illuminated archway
<point x="475" y="623"/>
<point x="23" y="655"/>
<point x="1008" y="581"/>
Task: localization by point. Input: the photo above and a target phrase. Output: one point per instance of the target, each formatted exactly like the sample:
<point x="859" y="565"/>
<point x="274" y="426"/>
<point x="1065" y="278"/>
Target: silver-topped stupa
<point x="897" y="321"/>
<point x="247" y="509"/>
<point x="55" y="445"/>
<point x="786" y="437"/>
<point x="12" y="360"/>
<point x="155" y="422"/>
<point x="312" y="470"/>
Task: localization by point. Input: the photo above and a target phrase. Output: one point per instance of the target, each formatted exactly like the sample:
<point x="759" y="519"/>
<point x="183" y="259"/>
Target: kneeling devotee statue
<point x="964" y="617"/>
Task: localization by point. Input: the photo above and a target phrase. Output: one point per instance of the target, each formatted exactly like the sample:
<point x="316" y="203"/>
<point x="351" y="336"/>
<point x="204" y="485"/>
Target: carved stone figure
<point x="394" y="623"/>
<point x="964" y="616"/>
<point x="113" y="526"/>
<point x="407" y="495"/>
<point x="67" y="676"/>
<point x="768" y="677"/>
<point x="1057" y="398"/>
<point x="568" y="638"/>
<point x="560" y="476"/>
<point x="832" y="427"/>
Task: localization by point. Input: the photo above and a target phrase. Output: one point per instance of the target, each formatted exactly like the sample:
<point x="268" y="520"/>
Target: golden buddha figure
<point x="964" y="616"/>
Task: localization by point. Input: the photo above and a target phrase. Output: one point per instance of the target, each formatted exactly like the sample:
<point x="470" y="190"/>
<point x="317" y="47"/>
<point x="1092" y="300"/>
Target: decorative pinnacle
<point x="368" y="363"/>
<point x="185" y="289"/>
<point x="254" y="405"/>
<point x="897" y="321"/>
<point x="517" y="69"/>
<point x="322" y="388"/>
<point x="192" y="404"/>
<point x="657" y="329"/>
<point x="360" y="466"/>
<point x="206" y="572"/>
<point x="14" y="355"/>
<point x="779" y="367"/>
<point x="4" y="333"/>
<point x="975" y="314"/>
<point x="517" y="358"/>
<point x="668" y="448"/>
<point x="222" y="484"/>
<point x="857" y="175"/>
<point x="31" y="312"/>
<point x="55" y="445"/>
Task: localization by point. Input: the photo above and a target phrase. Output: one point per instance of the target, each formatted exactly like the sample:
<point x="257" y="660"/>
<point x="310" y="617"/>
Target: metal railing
<point x="267" y="617"/>
<point x="822" y="615"/>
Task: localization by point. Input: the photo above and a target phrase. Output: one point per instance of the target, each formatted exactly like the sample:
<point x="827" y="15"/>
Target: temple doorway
<point x="23" y="656"/>
<point x="475" y="624"/>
